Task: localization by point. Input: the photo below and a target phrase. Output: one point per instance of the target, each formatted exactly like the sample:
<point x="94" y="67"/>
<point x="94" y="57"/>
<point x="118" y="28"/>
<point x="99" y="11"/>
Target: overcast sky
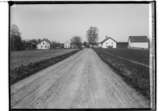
<point x="62" y="21"/>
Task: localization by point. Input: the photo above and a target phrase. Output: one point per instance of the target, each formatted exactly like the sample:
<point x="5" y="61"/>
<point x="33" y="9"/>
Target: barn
<point x="44" y="44"/>
<point x="108" y="42"/>
<point x="138" y="42"/>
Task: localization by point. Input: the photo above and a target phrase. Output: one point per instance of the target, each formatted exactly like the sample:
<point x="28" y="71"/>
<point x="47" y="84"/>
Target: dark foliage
<point x="30" y="44"/>
<point x="92" y="35"/>
<point x="55" y="45"/>
<point x="76" y="42"/>
<point x="86" y="44"/>
<point x="15" y="38"/>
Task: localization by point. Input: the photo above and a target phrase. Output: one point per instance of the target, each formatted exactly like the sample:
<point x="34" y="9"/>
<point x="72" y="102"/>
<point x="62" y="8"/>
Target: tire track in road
<point x="40" y="84"/>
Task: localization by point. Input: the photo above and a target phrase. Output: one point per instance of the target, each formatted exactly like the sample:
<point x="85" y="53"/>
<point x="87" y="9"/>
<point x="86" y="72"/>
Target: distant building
<point x="108" y="42"/>
<point x="67" y="44"/>
<point x="138" y="42"/>
<point x="122" y="45"/>
<point x="44" y="44"/>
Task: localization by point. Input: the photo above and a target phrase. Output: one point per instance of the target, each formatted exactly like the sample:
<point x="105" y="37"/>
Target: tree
<point x="92" y="35"/>
<point x="85" y="44"/>
<point x="15" y="38"/>
<point x="76" y="42"/>
<point x="33" y="43"/>
<point x="55" y="45"/>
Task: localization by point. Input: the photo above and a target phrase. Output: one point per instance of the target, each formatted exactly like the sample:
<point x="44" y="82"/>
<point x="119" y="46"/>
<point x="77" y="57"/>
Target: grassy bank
<point x="18" y="58"/>
<point x="32" y="64"/>
<point x="135" y="75"/>
<point x="139" y="55"/>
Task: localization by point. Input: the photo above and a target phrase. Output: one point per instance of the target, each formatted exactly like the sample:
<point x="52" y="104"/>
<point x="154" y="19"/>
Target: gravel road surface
<point x="80" y="81"/>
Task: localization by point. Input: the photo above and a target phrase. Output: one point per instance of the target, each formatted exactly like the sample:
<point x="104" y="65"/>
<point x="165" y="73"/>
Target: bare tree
<point x="76" y="42"/>
<point x="92" y="35"/>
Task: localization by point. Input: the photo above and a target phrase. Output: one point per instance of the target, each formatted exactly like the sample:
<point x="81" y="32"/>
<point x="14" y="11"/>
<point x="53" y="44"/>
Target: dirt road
<point x="80" y="81"/>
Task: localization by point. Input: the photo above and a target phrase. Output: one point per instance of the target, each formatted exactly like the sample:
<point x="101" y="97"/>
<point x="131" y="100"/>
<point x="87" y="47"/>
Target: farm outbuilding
<point x="108" y="42"/>
<point x="138" y="42"/>
<point x="122" y="45"/>
<point x="44" y="44"/>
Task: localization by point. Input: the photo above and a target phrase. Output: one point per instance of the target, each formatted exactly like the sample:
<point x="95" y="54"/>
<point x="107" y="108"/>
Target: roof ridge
<point x="138" y="38"/>
<point x="108" y="37"/>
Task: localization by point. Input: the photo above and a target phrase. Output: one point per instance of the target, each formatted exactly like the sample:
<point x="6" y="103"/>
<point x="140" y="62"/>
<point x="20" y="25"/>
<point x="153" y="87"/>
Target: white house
<point x="138" y="42"/>
<point x="44" y="44"/>
<point x="108" y="42"/>
<point x="67" y="44"/>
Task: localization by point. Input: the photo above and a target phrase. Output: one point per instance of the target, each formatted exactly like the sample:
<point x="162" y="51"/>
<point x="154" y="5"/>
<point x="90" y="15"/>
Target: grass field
<point x="138" y="55"/>
<point x="26" y="63"/>
<point x="136" y="75"/>
<point x="18" y="58"/>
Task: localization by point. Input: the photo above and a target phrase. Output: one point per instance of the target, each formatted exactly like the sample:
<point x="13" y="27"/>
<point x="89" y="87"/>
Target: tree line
<point x="16" y="42"/>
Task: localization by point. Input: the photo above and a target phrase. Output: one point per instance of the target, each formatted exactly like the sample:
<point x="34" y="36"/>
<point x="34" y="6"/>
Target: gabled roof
<point x="45" y="40"/>
<point x="138" y="39"/>
<point x="107" y="39"/>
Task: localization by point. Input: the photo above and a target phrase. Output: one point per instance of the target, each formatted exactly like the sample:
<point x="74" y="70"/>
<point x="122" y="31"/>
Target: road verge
<point x="24" y="71"/>
<point x="135" y="75"/>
